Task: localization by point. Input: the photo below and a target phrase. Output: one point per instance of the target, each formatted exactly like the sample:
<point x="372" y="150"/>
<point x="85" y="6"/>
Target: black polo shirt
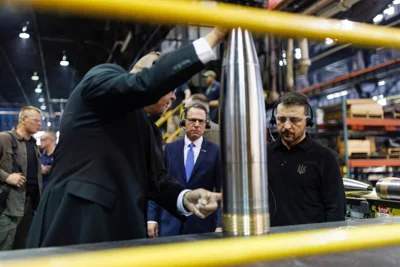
<point x="305" y="184"/>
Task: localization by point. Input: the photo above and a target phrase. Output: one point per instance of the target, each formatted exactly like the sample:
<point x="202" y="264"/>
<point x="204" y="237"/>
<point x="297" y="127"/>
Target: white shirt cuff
<point x="179" y="204"/>
<point x="204" y="51"/>
<point x="152" y="222"/>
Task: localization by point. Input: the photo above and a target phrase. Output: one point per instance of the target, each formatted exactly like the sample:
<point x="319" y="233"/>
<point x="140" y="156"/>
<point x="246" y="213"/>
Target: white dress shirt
<point x="196" y="148"/>
<point x="205" y="54"/>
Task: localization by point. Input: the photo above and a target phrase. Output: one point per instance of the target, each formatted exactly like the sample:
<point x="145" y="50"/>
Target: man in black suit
<point x="108" y="162"/>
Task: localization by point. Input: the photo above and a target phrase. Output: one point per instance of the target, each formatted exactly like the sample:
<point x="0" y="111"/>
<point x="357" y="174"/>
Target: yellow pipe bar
<point x="167" y="115"/>
<point x="173" y="135"/>
<point x="228" y="251"/>
<point x="226" y="15"/>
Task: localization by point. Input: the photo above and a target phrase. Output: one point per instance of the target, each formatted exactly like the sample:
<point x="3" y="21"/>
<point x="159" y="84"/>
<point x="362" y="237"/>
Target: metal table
<point x="387" y="256"/>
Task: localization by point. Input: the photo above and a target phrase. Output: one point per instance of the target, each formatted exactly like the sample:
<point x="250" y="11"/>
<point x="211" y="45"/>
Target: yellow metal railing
<point x="230" y="251"/>
<point x="241" y="250"/>
<point x="168" y="115"/>
<point x="225" y="15"/>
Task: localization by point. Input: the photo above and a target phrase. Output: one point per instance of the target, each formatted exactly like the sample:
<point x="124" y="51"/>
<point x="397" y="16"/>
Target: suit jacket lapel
<point x="181" y="161"/>
<point x="202" y="156"/>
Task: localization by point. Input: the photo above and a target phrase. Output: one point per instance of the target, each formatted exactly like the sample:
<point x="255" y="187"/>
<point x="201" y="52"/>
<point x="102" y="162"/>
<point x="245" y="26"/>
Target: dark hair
<point x="295" y="99"/>
<point x="196" y="105"/>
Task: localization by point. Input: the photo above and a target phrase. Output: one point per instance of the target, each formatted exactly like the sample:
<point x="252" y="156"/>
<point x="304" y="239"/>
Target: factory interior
<point x="342" y="55"/>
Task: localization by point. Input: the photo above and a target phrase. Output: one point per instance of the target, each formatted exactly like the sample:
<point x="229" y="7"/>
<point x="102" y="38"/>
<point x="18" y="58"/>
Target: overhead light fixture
<point x="378" y="18"/>
<point x="38" y="88"/>
<point x="24" y="34"/>
<point x="329" y="41"/>
<point x="43" y="118"/>
<point x="64" y="62"/>
<point x="336" y="95"/>
<point x="381" y="83"/>
<point x="41" y="99"/>
<point x="389" y="11"/>
<point x="48" y="124"/>
<point x="297" y="53"/>
<point x="396" y="2"/>
<point x="377" y="97"/>
<point x="35" y="77"/>
<point x="382" y="101"/>
<point x="280" y="63"/>
<point x="43" y="107"/>
<point x="284" y="54"/>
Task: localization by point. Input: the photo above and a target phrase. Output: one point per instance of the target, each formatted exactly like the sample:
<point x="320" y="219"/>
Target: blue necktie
<point x="189" y="162"/>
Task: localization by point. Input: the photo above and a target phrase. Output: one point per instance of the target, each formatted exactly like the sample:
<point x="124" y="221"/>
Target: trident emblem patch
<point x="301" y="169"/>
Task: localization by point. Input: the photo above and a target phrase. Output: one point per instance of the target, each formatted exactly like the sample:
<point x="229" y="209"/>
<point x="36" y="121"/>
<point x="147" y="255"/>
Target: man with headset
<point x="195" y="162"/>
<point x="304" y="176"/>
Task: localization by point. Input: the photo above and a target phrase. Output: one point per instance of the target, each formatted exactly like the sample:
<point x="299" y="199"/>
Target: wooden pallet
<point x="393" y="151"/>
<point x="392" y="115"/>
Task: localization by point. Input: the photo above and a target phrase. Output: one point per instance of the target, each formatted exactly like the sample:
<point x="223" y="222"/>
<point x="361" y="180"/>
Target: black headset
<point x="182" y="121"/>
<point x="309" y="121"/>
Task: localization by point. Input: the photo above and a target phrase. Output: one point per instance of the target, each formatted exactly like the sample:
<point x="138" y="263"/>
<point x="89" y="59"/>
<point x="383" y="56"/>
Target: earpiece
<point x="309" y="121"/>
<point x="182" y="121"/>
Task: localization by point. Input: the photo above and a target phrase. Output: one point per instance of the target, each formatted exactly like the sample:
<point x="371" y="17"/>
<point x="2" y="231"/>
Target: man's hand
<point x="46" y="169"/>
<point x="152" y="229"/>
<point x="216" y="36"/>
<point x="201" y="202"/>
<point x="16" y="179"/>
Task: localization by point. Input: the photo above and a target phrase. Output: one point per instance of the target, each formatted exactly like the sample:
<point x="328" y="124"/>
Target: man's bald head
<point x="145" y="62"/>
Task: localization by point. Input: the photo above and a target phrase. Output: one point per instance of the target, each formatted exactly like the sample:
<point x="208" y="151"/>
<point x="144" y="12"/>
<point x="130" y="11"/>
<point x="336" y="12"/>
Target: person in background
<point x="195" y="162"/>
<point x="48" y="144"/>
<point x="212" y="93"/>
<point x="20" y="169"/>
<point x="304" y="176"/>
<point x="108" y="160"/>
<point x="182" y="93"/>
<point x="211" y="134"/>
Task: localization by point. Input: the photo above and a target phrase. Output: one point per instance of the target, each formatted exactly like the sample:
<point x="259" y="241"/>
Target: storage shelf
<point x="360" y="124"/>
<point x="354" y="163"/>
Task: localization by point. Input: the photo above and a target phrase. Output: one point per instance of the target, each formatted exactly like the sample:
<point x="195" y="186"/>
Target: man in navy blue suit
<point x="195" y="162"/>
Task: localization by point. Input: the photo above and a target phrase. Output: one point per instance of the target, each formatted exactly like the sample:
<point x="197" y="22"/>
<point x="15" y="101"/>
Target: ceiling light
<point x="381" y="83"/>
<point x="38" y="88"/>
<point x="336" y="95"/>
<point x="378" y="18"/>
<point x="280" y="63"/>
<point x="389" y="11"/>
<point x="48" y="124"/>
<point x="43" y="118"/>
<point x="41" y="99"/>
<point x="24" y="34"/>
<point x="328" y="41"/>
<point x="64" y="61"/>
<point x="35" y="77"/>
<point x="396" y="2"/>
<point x="382" y="101"/>
<point x="43" y="107"/>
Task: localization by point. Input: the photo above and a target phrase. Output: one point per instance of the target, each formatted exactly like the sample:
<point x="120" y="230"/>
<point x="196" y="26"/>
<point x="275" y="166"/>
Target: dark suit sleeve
<point x="153" y="211"/>
<point x="333" y="196"/>
<point x="166" y="189"/>
<point x="218" y="180"/>
<point x="107" y="83"/>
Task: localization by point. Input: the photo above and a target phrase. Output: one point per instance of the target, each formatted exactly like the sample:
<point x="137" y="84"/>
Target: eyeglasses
<point x="193" y="121"/>
<point x="292" y="120"/>
<point x="34" y="119"/>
